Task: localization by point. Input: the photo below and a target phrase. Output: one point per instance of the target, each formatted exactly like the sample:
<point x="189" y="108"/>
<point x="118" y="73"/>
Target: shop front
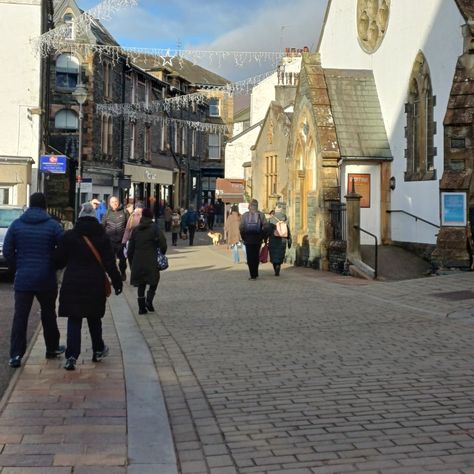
<point x="153" y="186"/>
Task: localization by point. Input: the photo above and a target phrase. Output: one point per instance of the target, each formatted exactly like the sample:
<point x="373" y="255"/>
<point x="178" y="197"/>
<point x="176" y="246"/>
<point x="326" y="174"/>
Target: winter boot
<point x="149" y="301"/>
<point x="142" y="305"/>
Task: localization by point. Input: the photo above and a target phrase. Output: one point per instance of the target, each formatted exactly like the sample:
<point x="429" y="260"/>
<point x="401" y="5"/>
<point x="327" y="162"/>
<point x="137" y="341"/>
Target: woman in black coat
<point x="82" y="293"/>
<point x="277" y="244"/>
<point x="142" y="253"/>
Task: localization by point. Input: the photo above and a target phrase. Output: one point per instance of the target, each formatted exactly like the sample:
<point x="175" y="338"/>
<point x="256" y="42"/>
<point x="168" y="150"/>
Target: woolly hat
<point x="139" y="205"/>
<point x="87" y="210"/>
<point x="38" y="200"/>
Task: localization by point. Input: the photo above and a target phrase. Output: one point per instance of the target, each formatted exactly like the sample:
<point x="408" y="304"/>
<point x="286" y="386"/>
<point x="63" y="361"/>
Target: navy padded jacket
<point x="28" y="248"/>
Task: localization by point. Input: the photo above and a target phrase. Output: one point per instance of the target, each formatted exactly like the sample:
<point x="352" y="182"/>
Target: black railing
<point x="376" y="253"/>
<point x="337" y="212"/>
<point x="417" y="218"/>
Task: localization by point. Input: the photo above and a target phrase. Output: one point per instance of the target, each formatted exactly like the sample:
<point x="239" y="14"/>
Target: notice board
<point x="362" y="187"/>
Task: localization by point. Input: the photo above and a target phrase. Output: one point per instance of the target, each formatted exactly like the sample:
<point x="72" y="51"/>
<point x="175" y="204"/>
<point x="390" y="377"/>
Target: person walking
<point x="251" y="230"/>
<point x="279" y="237"/>
<point x="232" y="233"/>
<point x="190" y="222"/>
<point x="28" y="247"/>
<point x="132" y="222"/>
<point x="143" y="247"/>
<point x="167" y="216"/>
<point x="175" y="226"/>
<point x="86" y="254"/>
<point x="114" y="222"/>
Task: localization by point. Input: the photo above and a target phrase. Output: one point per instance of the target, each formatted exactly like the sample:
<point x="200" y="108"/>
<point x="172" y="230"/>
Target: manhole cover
<point x="456" y="295"/>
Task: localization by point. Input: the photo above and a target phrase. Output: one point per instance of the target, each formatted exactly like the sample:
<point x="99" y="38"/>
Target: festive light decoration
<point x="57" y="38"/>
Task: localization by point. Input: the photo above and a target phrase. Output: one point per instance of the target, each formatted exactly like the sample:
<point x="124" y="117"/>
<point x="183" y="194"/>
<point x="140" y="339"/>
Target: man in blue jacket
<point x="28" y="248"/>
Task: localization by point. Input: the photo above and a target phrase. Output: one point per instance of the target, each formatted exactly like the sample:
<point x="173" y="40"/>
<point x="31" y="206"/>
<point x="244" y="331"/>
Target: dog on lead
<point x="215" y="236"/>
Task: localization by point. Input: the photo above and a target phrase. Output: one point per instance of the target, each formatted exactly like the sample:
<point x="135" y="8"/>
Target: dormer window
<point x="69" y="25"/>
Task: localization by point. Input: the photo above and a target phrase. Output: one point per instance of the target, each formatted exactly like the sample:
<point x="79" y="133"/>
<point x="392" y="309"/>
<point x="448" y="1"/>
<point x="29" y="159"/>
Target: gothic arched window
<point x="420" y="129"/>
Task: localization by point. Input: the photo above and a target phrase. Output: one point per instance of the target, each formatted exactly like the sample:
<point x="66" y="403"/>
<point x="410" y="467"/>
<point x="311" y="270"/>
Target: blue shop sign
<point x="53" y="164"/>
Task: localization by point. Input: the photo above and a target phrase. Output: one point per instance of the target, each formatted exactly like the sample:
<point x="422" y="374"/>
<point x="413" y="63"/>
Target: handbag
<point x="162" y="260"/>
<point x="107" y="284"/>
<point x="264" y="254"/>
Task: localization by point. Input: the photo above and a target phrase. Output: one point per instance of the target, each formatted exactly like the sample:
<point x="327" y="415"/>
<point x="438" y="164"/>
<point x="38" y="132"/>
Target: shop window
<point x="67" y="71"/>
<point x="66" y="119"/>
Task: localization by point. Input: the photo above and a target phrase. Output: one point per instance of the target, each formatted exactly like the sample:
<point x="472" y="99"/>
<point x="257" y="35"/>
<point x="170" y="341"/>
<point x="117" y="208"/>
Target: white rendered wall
<point x="434" y="27"/>
<point x="369" y="217"/>
<point x="20" y="21"/>
<point x="264" y="92"/>
<point x="238" y="152"/>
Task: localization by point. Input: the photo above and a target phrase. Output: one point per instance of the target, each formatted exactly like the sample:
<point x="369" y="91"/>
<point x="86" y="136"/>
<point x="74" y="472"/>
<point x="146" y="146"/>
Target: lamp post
<point x="80" y="94"/>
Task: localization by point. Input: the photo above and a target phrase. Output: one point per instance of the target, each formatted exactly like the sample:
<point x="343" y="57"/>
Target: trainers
<point x="15" y="362"/>
<point x="70" y="363"/>
<point x="53" y="354"/>
<point x="99" y="355"/>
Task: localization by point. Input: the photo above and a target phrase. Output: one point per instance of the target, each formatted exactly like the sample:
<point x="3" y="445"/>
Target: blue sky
<point x="229" y="25"/>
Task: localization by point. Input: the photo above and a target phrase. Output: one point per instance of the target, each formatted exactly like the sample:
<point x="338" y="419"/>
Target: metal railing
<point x="376" y="253"/>
<point x="417" y="218"/>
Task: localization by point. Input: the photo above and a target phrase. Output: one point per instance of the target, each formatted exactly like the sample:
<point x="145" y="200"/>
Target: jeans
<point x="74" y="327"/>
<point x="23" y="303"/>
<point x="235" y="249"/>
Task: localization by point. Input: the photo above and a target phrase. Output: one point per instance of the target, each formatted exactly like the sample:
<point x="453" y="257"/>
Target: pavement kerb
<point x="13" y="381"/>
<point x="150" y="442"/>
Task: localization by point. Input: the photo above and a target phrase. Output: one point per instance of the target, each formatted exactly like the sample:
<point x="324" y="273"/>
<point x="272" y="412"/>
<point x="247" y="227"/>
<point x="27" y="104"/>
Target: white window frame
<point x="193" y="143"/>
<point x="214" y="146"/>
<point x="70" y="26"/>
<point x="70" y="65"/>
<point x="133" y="131"/>
<point x="67" y="112"/>
<point x="214" y="108"/>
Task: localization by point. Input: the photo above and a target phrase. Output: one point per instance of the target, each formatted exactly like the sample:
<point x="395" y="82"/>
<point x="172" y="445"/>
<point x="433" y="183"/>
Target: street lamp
<point x="80" y="94"/>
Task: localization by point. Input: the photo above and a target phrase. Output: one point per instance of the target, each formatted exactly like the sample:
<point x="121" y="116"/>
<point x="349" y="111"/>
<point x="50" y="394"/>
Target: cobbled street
<point x="312" y="372"/>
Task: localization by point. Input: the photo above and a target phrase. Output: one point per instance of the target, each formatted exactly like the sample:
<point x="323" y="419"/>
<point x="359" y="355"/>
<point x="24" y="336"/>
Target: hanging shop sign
<point x="53" y="164"/>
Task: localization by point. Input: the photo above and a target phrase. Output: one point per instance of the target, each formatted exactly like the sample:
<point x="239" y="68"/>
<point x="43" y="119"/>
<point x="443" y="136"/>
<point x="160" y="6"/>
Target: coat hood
<point x="35" y="215"/>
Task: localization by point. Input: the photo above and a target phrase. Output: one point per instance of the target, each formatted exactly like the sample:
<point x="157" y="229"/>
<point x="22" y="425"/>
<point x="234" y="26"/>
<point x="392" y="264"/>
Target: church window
<point x="420" y="127"/>
<point x="69" y="26"/>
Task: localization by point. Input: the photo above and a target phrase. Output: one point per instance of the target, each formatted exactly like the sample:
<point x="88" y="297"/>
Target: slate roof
<point x="193" y="73"/>
<point x="357" y="115"/>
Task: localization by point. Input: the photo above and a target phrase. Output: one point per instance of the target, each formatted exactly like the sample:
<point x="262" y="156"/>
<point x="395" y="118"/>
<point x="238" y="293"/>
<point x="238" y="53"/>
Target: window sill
<point x="429" y="175"/>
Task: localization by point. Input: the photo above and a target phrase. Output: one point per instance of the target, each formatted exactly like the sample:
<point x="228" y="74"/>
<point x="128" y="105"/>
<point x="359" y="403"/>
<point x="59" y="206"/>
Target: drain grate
<point x="456" y="295"/>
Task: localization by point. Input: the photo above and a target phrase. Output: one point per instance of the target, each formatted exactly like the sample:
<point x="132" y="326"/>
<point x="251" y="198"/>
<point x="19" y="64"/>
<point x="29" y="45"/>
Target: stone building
<point x="369" y="107"/>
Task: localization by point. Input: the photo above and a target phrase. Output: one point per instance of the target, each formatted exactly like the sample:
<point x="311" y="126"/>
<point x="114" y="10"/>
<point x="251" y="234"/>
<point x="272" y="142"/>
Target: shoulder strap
<point x="93" y="250"/>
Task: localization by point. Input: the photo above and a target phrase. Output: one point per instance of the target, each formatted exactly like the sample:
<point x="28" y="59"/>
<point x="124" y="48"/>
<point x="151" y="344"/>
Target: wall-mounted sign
<point x="362" y="187"/>
<point x="453" y="209"/>
<point x="53" y="164"/>
<point x="86" y="185"/>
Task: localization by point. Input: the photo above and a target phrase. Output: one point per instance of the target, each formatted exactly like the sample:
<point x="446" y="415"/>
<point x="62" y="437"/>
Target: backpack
<point x="175" y="220"/>
<point x="252" y="227"/>
<point x="281" y="229"/>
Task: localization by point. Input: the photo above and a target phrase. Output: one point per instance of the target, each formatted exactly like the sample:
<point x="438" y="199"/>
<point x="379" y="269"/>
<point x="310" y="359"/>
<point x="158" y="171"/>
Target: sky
<point x="219" y="25"/>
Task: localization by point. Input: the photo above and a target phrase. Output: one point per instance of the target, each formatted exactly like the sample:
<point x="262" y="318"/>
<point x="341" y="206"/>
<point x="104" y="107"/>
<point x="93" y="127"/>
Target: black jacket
<point x="82" y="291"/>
<point x="114" y="223"/>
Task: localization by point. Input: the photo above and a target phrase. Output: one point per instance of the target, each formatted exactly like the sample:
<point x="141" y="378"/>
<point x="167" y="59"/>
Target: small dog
<point x="215" y="236"/>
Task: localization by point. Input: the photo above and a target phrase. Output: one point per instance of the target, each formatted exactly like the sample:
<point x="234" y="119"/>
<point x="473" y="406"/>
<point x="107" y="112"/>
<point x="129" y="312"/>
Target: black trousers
<point x="174" y="238"/>
<point x="253" y="258"/>
<point x="74" y="327"/>
<point x="118" y="252"/>
<point x="23" y="303"/>
<point x="191" y="231"/>
<point x="151" y="290"/>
